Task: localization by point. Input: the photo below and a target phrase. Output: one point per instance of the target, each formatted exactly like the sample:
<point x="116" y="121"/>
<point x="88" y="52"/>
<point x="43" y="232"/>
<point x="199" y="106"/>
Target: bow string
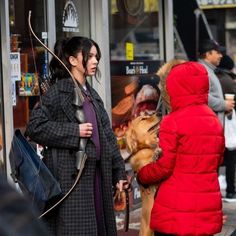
<point x="77" y="88"/>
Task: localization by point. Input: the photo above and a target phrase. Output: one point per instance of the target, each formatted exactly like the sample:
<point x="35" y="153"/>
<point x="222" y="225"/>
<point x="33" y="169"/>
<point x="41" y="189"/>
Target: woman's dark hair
<point x="64" y="48"/>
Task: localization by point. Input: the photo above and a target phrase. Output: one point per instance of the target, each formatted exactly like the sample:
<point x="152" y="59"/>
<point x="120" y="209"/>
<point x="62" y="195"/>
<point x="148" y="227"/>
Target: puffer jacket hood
<point x="187" y="84"/>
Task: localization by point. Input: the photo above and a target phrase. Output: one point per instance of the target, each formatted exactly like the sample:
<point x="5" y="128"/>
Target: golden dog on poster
<point x="142" y="143"/>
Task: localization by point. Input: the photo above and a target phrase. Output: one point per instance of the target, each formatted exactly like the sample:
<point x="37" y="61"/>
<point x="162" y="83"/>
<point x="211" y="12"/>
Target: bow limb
<point x="50" y="51"/>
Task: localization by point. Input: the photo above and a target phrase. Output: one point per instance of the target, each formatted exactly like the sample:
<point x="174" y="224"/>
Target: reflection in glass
<point x="134" y="22"/>
<point x="29" y="60"/>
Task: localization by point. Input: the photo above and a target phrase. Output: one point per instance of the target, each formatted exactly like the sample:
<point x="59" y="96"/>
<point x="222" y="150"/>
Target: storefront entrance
<point x="29" y="60"/>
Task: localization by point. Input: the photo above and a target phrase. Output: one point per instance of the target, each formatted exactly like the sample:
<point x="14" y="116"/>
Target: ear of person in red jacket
<point x="188" y="201"/>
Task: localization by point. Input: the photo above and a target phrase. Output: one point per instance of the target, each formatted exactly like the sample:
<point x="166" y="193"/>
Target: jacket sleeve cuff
<point x="142" y="184"/>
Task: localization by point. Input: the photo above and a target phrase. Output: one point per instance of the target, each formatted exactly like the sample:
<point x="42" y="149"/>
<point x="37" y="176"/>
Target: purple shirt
<point x="90" y="116"/>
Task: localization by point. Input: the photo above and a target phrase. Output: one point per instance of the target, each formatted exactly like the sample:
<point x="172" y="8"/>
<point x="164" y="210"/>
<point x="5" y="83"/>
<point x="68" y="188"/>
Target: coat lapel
<point x="95" y="100"/>
<point x="66" y="89"/>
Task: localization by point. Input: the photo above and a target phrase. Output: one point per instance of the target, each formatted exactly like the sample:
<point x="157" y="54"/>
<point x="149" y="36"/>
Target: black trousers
<point x="229" y="162"/>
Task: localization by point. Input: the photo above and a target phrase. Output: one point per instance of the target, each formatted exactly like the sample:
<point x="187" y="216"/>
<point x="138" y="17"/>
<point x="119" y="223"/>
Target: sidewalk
<point x="229" y="209"/>
<point x="230" y="225"/>
<point x="228" y="228"/>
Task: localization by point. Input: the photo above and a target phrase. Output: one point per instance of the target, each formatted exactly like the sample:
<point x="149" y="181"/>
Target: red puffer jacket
<point x="188" y="201"/>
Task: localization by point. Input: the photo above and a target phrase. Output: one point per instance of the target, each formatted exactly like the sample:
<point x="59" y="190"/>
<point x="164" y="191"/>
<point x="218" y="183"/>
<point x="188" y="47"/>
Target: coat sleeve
<point x="164" y="166"/>
<point x="216" y="103"/>
<point x="45" y="130"/>
<point x="215" y="96"/>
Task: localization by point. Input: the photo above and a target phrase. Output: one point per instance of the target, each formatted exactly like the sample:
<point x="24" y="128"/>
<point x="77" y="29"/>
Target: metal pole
<point x="197" y="15"/>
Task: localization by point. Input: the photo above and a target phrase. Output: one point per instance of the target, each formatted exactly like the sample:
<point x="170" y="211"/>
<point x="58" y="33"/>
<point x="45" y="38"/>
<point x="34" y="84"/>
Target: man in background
<point x="228" y="82"/>
<point x="210" y="54"/>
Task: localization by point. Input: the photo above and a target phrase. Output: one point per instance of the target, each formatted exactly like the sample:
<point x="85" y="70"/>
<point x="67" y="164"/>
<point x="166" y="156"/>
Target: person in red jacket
<point x="188" y="201"/>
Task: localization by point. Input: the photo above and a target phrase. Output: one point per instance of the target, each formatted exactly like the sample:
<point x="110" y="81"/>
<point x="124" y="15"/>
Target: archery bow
<point x="78" y="102"/>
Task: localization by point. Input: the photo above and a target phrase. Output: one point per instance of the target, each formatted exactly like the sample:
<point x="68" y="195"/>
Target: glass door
<point x="29" y="60"/>
<point x="72" y="18"/>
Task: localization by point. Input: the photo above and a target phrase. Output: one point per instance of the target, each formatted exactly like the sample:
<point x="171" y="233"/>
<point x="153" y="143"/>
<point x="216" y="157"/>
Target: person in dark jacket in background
<point x="17" y="216"/>
<point x="228" y="82"/>
<point x="89" y="208"/>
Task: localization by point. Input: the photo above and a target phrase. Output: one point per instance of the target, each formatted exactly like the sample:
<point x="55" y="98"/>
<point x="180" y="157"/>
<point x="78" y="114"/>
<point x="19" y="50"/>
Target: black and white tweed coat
<point x="76" y="215"/>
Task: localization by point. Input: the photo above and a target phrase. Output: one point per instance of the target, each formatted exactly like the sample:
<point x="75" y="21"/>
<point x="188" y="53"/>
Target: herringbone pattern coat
<point x="76" y="215"/>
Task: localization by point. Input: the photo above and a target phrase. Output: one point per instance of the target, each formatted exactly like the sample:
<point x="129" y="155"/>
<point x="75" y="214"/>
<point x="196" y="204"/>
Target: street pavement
<point x="229" y="209"/>
<point x="228" y="228"/>
<point x="230" y="225"/>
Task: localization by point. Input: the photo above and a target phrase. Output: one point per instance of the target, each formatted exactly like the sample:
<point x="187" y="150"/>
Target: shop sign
<point x="134" y="67"/>
<point x="70" y="20"/>
<point x="206" y="4"/>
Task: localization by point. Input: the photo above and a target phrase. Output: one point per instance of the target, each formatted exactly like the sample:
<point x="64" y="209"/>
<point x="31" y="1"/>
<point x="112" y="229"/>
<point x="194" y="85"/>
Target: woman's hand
<point x="85" y="130"/>
<point x="224" y="219"/>
<point x="122" y="184"/>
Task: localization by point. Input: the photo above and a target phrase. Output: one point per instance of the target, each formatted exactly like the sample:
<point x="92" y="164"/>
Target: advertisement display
<point x="135" y="93"/>
<point x="135" y="58"/>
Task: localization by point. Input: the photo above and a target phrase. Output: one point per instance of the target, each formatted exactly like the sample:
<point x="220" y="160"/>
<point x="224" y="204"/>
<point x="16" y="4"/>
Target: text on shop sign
<point x="216" y="2"/>
<point x="136" y="70"/>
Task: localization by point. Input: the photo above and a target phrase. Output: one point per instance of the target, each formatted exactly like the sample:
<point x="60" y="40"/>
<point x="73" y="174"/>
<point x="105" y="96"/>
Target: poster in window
<point x="15" y="66"/>
<point x="29" y="85"/>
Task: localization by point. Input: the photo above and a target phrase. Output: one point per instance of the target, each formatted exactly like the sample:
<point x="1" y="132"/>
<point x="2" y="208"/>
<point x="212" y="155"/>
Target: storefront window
<point x="135" y="59"/>
<point x="72" y="18"/>
<point x="134" y="23"/>
<point x="29" y="60"/>
<point x="179" y="50"/>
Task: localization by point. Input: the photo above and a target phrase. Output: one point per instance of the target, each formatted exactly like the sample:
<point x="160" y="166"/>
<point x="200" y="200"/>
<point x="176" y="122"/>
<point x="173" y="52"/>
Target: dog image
<point x="138" y="136"/>
<point x="142" y="144"/>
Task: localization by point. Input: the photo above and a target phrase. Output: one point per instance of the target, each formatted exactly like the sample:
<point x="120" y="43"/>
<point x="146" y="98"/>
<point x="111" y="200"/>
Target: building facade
<point x="135" y="38"/>
<point x="130" y="34"/>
